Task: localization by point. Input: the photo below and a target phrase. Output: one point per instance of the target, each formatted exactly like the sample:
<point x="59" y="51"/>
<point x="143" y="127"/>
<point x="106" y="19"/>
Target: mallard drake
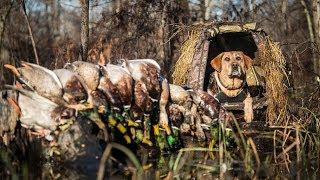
<point x="40" y="79"/>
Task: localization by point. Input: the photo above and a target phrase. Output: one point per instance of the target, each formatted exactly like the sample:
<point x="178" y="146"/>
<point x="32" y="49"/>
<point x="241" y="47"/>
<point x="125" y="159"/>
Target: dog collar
<point x="217" y="77"/>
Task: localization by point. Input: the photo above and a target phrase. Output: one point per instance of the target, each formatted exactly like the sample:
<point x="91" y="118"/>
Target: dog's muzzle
<point x="235" y="71"/>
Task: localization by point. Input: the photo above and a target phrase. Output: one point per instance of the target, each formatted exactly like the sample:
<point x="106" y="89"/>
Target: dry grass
<point x="273" y="63"/>
<point x="183" y="64"/>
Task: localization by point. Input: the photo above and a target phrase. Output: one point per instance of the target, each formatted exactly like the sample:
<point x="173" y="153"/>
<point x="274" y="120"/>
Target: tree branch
<point x="30" y="32"/>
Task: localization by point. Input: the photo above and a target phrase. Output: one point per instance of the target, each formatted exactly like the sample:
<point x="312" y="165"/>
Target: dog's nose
<point x="234" y="67"/>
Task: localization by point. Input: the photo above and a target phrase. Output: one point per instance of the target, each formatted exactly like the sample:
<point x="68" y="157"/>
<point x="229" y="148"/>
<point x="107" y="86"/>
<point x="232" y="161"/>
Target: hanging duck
<point x="90" y="74"/>
<point x="39" y="79"/>
<point x="74" y="89"/>
<point x="39" y="113"/>
<point x="117" y="84"/>
<point x="149" y="87"/>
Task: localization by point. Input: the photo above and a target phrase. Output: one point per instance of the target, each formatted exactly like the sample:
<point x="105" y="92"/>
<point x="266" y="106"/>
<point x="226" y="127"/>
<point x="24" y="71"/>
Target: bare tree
<point x="4" y="58"/>
<point x="84" y="28"/>
<point x="312" y="17"/>
<point x="315" y="6"/>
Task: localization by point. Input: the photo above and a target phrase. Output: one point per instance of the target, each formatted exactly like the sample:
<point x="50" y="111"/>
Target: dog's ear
<point x="216" y="62"/>
<point x="247" y="61"/>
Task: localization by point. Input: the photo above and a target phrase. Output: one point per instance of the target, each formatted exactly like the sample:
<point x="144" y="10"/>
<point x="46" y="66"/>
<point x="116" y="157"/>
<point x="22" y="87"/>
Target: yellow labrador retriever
<point x="230" y="74"/>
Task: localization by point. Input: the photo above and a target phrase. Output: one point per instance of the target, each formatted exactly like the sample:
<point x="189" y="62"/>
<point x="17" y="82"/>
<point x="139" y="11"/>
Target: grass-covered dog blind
<point x="206" y="41"/>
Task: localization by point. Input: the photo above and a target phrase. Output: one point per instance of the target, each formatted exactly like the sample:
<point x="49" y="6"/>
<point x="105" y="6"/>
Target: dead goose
<point x="40" y="79"/>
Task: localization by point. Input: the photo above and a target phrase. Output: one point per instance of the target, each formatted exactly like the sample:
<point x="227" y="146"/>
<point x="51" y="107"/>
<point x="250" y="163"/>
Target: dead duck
<point x="180" y="109"/>
<point x="207" y="103"/>
<point x="199" y="109"/>
<point x="117" y="84"/>
<point x="39" y="113"/>
<point x="39" y="79"/>
<point x="178" y="94"/>
<point x="74" y="90"/>
<point x="90" y="74"/>
<point x="149" y="87"/>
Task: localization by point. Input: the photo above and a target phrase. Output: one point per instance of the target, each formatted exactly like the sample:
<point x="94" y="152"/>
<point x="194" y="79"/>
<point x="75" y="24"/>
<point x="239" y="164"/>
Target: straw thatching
<point x="183" y="64"/>
<point x="273" y="63"/>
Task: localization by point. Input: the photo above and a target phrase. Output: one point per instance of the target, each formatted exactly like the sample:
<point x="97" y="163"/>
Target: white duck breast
<point x="36" y="111"/>
<point x="73" y="86"/>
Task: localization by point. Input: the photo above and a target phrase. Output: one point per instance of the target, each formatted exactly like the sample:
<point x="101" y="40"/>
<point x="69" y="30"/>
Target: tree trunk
<point x="311" y="33"/>
<point x="30" y="32"/>
<point x="205" y="9"/>
<point x="165" y="35"/>
<point x="4" y="53"/>
<point x="316" y="27"/>
<point x="254" y="10"/>
<point x="84" y="28"/>
<point x="246" y="11"/>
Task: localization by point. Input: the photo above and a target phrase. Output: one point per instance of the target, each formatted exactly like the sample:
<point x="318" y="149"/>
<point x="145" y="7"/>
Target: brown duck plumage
<point x="89" y="72"/>
<point x="74" y="90"/>
<point x="118" y="83"/>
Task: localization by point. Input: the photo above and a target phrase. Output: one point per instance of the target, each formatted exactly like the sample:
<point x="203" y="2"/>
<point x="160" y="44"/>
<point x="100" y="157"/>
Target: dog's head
<point x="231" y="68"/>
<point x="233" y="63"/>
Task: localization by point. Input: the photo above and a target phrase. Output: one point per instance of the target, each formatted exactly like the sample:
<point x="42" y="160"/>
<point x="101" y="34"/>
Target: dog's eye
<point x="238" y="58"/>
<point x="227" y="59"/>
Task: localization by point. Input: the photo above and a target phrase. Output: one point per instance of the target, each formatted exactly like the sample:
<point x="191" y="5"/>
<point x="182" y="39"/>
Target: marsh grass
<point x="294" y="147"/>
